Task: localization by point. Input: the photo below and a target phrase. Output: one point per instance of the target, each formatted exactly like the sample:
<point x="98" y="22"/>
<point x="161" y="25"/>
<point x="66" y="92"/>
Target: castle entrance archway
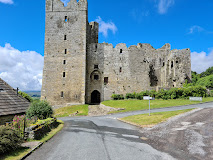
<point x="95" y="97"/>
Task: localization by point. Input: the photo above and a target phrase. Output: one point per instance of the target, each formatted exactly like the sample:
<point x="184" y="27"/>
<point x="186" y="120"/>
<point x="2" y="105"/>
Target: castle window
<point x="120" y="69"/>
<point x="65" y="37"/>
<point x="95" y="66"/>
<point x="163" y="64"/>
<point x="96" y="77"/>
<point x="176" y="61"/>
<point x="172" y="65"/>
<point x="121" y="50"/>
<point x="106" y="80"/>
<point x="64" y="74"/>
<point x="64" y="61"/>
<point x="1" y="90"/>
<point x="65" y="19"/>
<point x="62" y="94"/>
<point x="65" y="51"/>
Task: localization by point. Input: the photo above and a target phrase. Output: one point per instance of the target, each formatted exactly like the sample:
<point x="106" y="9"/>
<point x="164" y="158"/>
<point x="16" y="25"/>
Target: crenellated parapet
<point x="72" y="5"/>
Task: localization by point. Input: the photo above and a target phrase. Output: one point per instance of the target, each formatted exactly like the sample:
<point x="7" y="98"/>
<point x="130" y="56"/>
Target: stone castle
<point x="79" y="70"/>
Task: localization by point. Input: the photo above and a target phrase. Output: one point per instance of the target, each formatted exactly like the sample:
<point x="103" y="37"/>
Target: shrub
<point x="9" y="139"/>
<point x="40" y="109"/>
<point x="131" y="95"/>
<point x="117" y="96"/>
<point x="26" y="96"/>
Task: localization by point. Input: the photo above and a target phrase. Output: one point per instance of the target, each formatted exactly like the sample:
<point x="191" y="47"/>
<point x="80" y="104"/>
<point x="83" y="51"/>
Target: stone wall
<point x="65" y="52"/>
<point x="135" y="69"/>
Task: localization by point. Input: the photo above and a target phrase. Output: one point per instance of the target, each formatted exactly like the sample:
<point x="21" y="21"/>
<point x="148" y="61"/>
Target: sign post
<point x="149" y="106"/>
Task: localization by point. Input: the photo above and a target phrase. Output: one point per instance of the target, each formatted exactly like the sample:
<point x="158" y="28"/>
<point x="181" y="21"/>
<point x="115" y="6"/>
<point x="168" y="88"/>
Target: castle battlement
<point x="78" y="69"/>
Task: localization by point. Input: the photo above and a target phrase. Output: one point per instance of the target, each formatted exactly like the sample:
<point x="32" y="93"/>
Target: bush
<point x="131" y="95"/>
<point x="117" y="96"/>
<point x="40" y="109"/>
<point x="9" y="139"/>
<point x="26" y="96"/>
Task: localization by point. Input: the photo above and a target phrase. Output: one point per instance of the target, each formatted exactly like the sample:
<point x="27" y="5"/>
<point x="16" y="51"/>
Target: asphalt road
<point x="106" y="138"/>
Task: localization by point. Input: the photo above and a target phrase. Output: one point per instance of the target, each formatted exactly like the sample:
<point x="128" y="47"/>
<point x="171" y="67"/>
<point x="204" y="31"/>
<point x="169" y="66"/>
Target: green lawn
<point x="144" y="120"/>
<point x="133" y="105"/>
<point x="71" y="110"/>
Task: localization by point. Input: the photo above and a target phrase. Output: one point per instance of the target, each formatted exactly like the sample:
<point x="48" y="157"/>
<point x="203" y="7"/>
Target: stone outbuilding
<point x="11" y="103"/>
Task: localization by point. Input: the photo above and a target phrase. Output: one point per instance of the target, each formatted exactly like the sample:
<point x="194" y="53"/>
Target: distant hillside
<point x="34" y="93"/>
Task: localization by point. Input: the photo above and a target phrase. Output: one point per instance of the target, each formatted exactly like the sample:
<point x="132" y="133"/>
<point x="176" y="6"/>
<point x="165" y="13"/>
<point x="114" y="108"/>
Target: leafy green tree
<point x="40" y="109"/>
<point x="26" y="96"/>
<point x="206" y="82"/>
<point x="208" y="72"/>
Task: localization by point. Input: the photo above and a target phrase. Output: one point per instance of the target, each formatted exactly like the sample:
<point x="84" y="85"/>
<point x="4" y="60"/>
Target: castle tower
<point x="65" y="52"/>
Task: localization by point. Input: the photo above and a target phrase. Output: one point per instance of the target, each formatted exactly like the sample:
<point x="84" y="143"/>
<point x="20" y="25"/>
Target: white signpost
<point x="148" y="98"/>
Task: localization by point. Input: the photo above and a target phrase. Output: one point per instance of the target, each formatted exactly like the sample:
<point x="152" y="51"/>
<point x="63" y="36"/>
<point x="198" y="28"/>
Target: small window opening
<point x="95" y="66"/>
<point x="106" y="80"/>
<point x="120" y="69"/>
<point x="176" y="61"/>
<point x="172" y="65"/>
<point x="65" y="51"/>
<point x="62" y="94"/>
<point x="64" y="61"/>
<point x="65" y="37"/>
<point x="1" y="90"/>
<point x="121" y="50"/>
<point x="96" y="77"/>
<point x="64" y="74"/>
<point x="65" y="19"/>
<point x="163" y="64"/>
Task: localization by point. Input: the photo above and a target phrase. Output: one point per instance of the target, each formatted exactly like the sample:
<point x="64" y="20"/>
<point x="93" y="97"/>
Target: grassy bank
<point x="71" y="110"/>
<point x="144" y="120"/>
<point x="18" y="154"/>
<point x="133" y="105"/>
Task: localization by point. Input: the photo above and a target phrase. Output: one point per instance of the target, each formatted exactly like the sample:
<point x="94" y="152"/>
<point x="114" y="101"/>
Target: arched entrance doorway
<point x="95" y="97"/>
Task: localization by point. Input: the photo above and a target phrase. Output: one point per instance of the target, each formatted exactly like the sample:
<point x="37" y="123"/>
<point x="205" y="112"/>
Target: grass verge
<point x="71" y="110"/>
<point x="133" y="105"/>
<point x="18" y="154"/>
<point x="144" y="120"/>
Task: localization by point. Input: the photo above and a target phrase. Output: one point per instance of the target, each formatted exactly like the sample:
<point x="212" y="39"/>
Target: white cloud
<point x="6" y="1"/>
<point x="201" y="61"/>
<point x="21" y="69"/>
<point x="105" y="27"/>
<point x="198" y="29"/>
<point x="164" y="5"/>
<point x="138" y="15"/>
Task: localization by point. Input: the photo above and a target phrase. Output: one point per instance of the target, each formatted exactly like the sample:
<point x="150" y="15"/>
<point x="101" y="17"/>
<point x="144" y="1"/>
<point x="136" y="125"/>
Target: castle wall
<point x="135" y="69"/>
<point x="65" y="52"/>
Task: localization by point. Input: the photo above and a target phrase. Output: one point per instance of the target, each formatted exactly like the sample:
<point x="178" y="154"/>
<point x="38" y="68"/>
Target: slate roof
<point x="10" y="103"/>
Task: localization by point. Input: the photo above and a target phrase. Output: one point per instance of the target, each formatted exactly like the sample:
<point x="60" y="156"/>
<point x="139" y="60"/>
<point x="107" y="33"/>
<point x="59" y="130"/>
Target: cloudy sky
<point x="183" y="24"/>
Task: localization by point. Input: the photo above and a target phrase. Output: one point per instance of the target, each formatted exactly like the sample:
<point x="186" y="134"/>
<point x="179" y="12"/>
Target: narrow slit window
<point x="65" y="19"/>
<point x="64" y="74"/>
<point x="64" y="62"/>
<point x="120" y="69"/>
<point x="65" y="51"/>
<point x="106" y="80"/>
<point x="65" y="37"/>
<point x="172" y="65"/>
<point x="62" y="94"/>
<point x="121" y="51"/>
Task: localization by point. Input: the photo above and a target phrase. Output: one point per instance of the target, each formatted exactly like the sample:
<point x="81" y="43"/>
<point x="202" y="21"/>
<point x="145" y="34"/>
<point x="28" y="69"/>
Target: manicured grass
<point x="133" y="105"/>
<point x="144" y="120"/>
<point x="71" y="110"/>
<point x="18" y="154"/>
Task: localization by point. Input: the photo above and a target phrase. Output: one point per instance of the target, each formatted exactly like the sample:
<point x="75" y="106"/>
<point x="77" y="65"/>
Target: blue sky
<point x="182" y="23"/>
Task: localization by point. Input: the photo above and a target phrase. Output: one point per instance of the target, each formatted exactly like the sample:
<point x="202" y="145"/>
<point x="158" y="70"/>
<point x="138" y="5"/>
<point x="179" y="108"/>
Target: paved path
<point x="104" y="138"/>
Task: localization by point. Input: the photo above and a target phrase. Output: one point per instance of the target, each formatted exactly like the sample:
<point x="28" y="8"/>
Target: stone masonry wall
<point x="65" y="52"/>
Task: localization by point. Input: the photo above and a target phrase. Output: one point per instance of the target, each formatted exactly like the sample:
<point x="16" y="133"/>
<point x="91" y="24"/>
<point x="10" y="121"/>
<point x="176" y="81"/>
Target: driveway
<point x="106" y="138"/>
